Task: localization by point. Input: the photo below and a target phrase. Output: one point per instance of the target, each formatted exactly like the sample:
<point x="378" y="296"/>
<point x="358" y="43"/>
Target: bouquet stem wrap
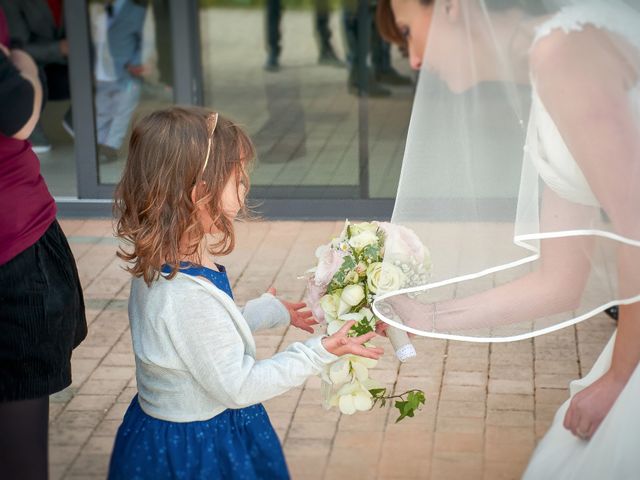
<point x="401" y="343"/>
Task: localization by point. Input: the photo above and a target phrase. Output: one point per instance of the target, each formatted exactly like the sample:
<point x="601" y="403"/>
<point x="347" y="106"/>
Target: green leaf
<point x="371" y="253"/>
<point x="400" y="418"/>
<point x="360" y="328"/>
<point x="348" y="264"/>
<point x="413" y="400"/>
<point x="377" y="392"/>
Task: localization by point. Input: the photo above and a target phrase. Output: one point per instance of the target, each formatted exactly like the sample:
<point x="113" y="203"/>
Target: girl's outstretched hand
<point x="299" y="318"/>
<point x="341" y="344"/>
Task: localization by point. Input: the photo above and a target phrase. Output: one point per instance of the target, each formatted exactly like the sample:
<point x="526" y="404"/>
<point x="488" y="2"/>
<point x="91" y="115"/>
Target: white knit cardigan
<point x="195" y="354"/>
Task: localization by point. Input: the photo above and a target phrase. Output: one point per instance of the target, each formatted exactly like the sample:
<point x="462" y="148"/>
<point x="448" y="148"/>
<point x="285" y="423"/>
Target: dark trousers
<point x="24" y="427"/>
<point x="57" y="77"/>
<point x="274" y="16"/>
<point x="379" y="49"/>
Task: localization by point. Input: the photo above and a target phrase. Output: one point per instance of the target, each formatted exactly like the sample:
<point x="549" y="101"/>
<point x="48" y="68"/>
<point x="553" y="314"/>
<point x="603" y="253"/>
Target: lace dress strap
<point x="611" y="15"/>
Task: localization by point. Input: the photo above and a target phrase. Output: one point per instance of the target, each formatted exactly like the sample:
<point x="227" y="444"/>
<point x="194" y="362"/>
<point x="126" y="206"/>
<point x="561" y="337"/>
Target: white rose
<point x="334" y="326"/>
<point x="343" y="307"/>
<point x="384" y="278"/>
<point x="330" y="305"/>
<point x="358" y="228"/>
<point x="352" y="295"/>
<point x="353" y="397"/>
<point x="360" y="366"/>
<point x="352" y="277"/>
<point x="363" y="239"/>
<point x="340" y="371"/>
<point x="357" y="316"/>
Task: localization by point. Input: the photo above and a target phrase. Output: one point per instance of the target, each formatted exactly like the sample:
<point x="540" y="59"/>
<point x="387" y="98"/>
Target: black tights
<point x="24" y="426"/>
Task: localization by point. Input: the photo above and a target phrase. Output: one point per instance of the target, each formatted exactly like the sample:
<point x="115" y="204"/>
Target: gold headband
<point x="212" y="122"/>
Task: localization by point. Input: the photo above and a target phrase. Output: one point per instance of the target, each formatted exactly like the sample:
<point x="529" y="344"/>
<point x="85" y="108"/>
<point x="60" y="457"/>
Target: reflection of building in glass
<point x="316" y="138"/>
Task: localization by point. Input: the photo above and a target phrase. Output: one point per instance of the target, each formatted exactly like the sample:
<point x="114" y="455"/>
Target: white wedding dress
<point x="613" y="453"/>
<point x="614" y="450"/>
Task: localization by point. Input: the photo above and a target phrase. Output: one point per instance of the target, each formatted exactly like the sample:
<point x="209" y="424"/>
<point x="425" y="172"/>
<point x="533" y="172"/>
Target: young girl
<point x="197" y="413"/>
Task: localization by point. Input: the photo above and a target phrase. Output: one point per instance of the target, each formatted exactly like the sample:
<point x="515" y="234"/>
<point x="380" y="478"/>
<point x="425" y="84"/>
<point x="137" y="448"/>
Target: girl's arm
<point x="265" y="312"/>
<point x="208" y="343"/>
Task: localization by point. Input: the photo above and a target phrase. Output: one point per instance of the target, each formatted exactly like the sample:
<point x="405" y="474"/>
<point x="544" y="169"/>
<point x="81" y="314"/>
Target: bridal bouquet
<point x="349" y="274"/>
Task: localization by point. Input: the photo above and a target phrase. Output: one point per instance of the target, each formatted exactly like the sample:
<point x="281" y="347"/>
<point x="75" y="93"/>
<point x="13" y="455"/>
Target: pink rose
<point x="401" y="240"/>
<point x="314" y="294"/>
<point x="329" y="262"/>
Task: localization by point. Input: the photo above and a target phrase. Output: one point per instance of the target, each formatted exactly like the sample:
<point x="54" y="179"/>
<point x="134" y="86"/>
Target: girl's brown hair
<point x="166" y="163"/>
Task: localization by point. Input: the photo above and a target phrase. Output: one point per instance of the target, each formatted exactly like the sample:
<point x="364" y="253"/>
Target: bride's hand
<point x="590" y="406"/>
<point x="409" y="311"/>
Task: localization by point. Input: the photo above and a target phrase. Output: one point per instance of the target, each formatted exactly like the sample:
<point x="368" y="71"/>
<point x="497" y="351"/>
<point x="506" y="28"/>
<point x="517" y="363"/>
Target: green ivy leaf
<point x="407" y="408"/>
<point x="348" y="264"/>
<point x="377" y="392"/>
<point x="371" y="253"/>
<point x="412" y="400"/>
<point x="360" y="328"/>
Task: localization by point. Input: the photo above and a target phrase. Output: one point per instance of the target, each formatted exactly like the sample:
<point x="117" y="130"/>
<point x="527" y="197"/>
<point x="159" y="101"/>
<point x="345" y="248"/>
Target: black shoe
<point x="392" y="77"/>
<point x="272" y="64"/>
<point x="328" y="57"/>
<point x="373" y="89"/>
<point x="39" y="141"/>
<point x="67" y="123"/>
<point x="612" y="312"/>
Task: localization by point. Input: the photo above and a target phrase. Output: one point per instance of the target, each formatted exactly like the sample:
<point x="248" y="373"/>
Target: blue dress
<point x="235" y="444"/>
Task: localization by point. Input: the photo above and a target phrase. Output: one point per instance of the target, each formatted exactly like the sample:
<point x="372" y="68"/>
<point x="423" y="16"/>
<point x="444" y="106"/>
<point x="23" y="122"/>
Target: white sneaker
<point x="39" y="141"/>
<point x="68" y="128"/>
<point x="41" y="148"/>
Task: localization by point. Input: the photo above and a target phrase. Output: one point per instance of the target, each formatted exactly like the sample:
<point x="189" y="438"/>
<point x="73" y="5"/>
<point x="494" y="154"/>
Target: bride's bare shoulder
<point x="590" y="54"/>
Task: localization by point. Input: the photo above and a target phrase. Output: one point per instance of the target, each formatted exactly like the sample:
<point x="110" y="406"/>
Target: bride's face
<point x="413" y="19"/>
<point x="446" y="39"/>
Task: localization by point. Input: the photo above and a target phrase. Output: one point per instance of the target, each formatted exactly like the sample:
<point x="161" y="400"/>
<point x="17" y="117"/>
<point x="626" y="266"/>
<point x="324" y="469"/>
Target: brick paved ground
<point x="486" y="404"/>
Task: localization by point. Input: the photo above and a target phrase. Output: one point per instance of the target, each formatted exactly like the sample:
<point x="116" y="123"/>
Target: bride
<point x="523" y="158"/>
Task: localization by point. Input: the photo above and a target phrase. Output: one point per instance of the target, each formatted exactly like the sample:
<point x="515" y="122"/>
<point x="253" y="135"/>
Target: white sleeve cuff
<point x="315" y="343"/>
<point x="266" y="311"/>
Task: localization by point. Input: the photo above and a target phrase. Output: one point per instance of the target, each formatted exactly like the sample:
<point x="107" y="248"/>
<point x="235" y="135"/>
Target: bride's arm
<point x="590" y="103"/>
<point x="556" y="286"/>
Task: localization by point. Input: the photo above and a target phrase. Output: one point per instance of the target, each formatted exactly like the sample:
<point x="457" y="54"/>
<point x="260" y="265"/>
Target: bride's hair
<point x="386" y="20"/>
